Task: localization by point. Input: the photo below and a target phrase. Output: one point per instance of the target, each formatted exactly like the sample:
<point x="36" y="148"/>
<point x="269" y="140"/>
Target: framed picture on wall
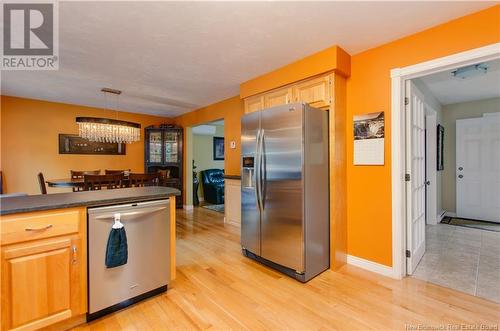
<point x="73" y="144"/>
<point x="440" y="147"/>
<point x="218" y="148"/>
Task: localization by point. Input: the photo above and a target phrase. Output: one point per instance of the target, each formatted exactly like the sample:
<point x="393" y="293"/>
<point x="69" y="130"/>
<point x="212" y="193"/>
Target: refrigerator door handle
<point x="262" y="172"/>
<point x="257" y="171"/>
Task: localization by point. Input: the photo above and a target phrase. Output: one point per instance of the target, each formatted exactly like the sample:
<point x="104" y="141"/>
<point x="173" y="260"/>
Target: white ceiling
<point x="449" y="90"/>
<point x="172" y="57"/>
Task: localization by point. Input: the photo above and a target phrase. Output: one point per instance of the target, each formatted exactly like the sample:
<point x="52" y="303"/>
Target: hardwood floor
<point x="219" y="289"/>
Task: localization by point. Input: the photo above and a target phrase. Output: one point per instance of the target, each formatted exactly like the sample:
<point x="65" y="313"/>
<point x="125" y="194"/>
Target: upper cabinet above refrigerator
<point x="316" y="91"/>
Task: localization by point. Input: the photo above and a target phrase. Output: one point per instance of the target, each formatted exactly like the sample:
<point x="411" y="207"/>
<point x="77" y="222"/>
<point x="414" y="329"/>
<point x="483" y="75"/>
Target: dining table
<point x="65" y="182"/>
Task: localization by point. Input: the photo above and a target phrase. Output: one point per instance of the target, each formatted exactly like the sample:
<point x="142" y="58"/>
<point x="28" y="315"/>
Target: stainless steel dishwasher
<point x="147" y="271"/>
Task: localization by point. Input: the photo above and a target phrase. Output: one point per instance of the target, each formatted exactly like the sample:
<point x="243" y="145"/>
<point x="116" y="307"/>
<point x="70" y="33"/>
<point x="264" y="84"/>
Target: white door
<point x="491" y="170"/>
<point x="415" y="168"/>
<point x="478" y="168"/>
<point x="468" y="168"/>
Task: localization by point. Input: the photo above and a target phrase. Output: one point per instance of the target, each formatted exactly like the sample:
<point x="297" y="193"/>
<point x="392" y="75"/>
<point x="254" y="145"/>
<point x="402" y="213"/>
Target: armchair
<point x="213" y="185"/>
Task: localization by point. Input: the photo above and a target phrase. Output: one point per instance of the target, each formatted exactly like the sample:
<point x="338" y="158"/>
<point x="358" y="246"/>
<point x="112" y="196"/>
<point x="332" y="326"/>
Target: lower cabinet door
<point x="39" y="281"/>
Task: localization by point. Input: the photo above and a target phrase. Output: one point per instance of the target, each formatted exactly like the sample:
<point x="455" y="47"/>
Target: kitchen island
<point x="43" y="241"/>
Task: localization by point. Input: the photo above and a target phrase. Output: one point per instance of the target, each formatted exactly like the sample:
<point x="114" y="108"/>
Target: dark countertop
<point x="232" y="176"/>
<point x="22" y="204"/>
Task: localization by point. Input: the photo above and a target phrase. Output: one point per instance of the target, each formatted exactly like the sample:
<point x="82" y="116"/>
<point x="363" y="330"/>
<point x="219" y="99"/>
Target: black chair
<point x="98" y="182"/>
<point x="138" y="180"/>
<point x="78" y="174"/>
<point x="213" y="185"/>
<point x="114" y="172"/>
<point x="41" y="182"/>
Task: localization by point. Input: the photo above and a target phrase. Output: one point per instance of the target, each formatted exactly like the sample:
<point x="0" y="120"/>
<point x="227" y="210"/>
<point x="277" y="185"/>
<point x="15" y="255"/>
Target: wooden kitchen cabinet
<point x="43" y="279"/>
<point x="232" y="196"/>
<point x="254" y="103"/>
<point x="278" y="97"/>
<point x="316" y="92"/>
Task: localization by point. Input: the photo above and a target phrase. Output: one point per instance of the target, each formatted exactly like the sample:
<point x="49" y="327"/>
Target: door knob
<point x="428" y="183"/>
<point x="460" y="176"/>
<point x="460" y="168"/>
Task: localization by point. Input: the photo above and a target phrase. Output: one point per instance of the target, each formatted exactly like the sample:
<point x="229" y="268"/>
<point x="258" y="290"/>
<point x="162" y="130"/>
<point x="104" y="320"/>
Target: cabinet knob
<point x="460" y="176"/>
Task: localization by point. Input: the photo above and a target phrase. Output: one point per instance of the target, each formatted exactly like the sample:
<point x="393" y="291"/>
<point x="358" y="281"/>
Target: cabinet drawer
<point x="38" y="225"/>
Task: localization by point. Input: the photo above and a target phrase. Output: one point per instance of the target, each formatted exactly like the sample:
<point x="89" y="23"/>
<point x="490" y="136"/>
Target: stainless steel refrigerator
<point x="284" y="189"/>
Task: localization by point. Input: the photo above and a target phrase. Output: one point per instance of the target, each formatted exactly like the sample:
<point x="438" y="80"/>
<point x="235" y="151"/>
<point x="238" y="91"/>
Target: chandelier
<point x="108" y="130"/>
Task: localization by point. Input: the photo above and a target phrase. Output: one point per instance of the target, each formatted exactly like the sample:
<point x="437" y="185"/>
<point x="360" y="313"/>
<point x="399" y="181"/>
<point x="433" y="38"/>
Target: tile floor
<point x="463" y="259"/>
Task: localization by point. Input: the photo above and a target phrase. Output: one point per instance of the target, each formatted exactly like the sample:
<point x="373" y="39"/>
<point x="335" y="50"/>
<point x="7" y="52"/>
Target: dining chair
<point x="112" y="172"/>
<point x="138" y="180"/>
<point x="41" y="182"/>
<point x="97" y="182"/>
<point x="78" y="174"/>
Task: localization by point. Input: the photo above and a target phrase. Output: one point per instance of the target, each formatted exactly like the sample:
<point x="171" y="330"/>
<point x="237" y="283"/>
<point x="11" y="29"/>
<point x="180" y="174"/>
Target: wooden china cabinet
<point x="163" y="155"/>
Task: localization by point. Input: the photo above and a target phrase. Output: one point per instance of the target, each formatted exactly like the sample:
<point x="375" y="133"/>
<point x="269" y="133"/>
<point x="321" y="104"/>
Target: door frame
<point x="189" y="148"/>
<point x="430" y="172"/>
<point x="398" y="131"/>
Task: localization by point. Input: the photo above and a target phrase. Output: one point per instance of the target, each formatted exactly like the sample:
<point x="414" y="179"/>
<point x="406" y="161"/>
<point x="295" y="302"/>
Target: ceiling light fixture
<point x="470" y="71"/>
<point x="107" y="129"/>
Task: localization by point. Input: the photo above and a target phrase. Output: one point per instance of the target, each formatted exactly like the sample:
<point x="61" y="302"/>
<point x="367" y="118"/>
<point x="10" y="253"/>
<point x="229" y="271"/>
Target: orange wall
<point x="332" y="58"/>
<point x="230" y="110"/>
<point x="369" y="90"/>
<point x="29" y="144"/>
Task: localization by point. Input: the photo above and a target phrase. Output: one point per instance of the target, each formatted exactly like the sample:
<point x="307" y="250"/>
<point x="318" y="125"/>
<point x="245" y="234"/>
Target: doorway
<point x="454" y="241"/>
<point x="206" y="158"/>
<point x="399" y="76"/>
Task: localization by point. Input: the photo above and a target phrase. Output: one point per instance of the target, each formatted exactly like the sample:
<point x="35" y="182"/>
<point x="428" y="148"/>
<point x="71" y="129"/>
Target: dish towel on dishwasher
<point x="117" y="248"/>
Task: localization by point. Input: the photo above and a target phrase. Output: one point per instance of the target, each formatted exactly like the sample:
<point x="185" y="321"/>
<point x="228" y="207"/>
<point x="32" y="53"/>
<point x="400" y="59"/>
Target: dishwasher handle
<point x="143" y="211"/>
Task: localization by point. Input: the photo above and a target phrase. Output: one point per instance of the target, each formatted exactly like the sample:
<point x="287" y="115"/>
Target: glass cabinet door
<point x="154" y="147"/>
<point x="171" y="147"/>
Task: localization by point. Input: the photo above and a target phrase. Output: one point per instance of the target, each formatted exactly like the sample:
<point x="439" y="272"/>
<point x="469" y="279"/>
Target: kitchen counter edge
<point x="32" y="203"/>
<point x="237" y="177"/>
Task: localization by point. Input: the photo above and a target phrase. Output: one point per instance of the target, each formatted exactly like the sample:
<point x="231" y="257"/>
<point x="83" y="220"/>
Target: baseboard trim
<point x="188" y="207"/>
<point x="370" y="266"/>
<point x="231" y="222"/>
